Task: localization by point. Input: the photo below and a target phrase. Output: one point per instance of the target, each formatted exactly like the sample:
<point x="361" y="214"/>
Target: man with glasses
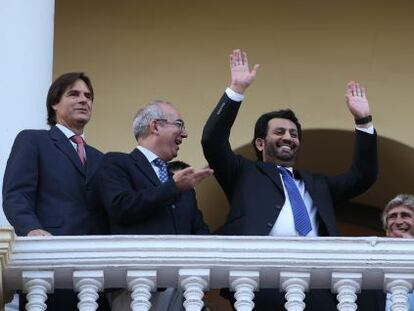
<point x="141" y="197"/>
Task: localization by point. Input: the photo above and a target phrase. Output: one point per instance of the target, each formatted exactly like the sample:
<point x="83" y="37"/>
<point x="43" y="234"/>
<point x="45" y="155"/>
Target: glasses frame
<point x="178" y="123"/>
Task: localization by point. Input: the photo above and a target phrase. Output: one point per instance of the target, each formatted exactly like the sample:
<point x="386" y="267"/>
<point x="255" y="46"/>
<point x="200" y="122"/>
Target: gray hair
<point x="145" y="115"/>
<point x="406" y="200"/>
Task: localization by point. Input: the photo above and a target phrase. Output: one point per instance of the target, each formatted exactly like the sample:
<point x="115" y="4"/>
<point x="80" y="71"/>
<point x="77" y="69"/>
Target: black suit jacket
<point x="46" y="187"/>
<point x="256" y="196"/>
<point x="252" y="186"/>
<point x="138" y="203"/>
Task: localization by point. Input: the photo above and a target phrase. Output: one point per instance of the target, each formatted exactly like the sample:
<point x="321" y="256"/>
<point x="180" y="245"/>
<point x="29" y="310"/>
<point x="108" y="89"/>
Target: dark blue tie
<point x="163" y="175"/>
<point x="300" y="214"/>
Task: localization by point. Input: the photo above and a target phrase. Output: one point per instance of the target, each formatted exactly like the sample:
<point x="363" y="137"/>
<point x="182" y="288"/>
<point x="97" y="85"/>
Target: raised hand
<point x="241" y="75"/>
<point x="356" y="100"/>
<point x="187" y="178"/>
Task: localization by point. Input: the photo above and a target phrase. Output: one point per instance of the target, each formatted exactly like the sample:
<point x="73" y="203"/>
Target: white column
<point x="26" y="59"/>
<point x="194" y="282"/>
<point x="36" y="285"/>
<point x="399" y="285"/>
<point x="244" y="283"/>
<point x="88" y="284"/>
<point x="141" y="284"/>
<point x="295" y="284"/>
<point x="346" y="285"/>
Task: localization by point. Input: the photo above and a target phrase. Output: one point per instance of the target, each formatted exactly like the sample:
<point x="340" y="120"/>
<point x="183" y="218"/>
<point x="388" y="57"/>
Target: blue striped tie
<point x="300" y="214"/>
<point x="163" y="174"/>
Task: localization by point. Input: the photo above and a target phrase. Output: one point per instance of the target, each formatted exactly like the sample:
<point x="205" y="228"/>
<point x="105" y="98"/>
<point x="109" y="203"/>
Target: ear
<point x="153" y="127"/>
<point x="259" y="143"/>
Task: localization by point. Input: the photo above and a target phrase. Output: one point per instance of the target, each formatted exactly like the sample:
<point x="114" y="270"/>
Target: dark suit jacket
<point x="138" y="203"/>
<point x="45" y="187"/>
<point x="255" y="191"/>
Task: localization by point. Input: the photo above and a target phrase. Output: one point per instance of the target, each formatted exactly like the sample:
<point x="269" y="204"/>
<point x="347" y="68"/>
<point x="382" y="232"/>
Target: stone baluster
<point x="88" y="284"/>
<point x="346" y="285"/>
<point x="295" y="284"/>
<point x="399" y="285"/>
<point x="244" y="283"/>
<point x="36" y="285"/>
<point x="194" y="282"/>
<point x="141" y="284"/>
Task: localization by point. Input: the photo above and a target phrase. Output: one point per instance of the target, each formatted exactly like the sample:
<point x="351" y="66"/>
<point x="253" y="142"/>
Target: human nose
<point x="287" y="136"/>
<point x="184" y="133"/>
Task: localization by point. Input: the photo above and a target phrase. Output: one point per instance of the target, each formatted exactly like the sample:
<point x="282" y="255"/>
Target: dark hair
<point x="58" y="87"/>
<point x="262" y="125"/>
<point x="176" y="166"/>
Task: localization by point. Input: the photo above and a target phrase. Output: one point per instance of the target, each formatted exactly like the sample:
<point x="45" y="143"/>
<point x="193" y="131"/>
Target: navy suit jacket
<point x="255" y="192"/>
<point x="46" y="187"/>
<point x="138" y="203"/>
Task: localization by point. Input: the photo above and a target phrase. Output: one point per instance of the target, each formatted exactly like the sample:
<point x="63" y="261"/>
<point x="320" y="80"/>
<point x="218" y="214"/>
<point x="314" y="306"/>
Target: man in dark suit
<point x="48" y="178"/>
<point x="140" y="195"/>
<point x="270" y="197"/>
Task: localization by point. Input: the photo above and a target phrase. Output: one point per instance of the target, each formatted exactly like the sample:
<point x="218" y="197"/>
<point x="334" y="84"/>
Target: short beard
<point x="272" y="153"/>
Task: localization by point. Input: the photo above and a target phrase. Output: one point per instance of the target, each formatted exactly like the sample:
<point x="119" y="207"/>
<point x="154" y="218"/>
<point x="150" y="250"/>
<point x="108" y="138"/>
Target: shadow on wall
<point x="330" y="152"/>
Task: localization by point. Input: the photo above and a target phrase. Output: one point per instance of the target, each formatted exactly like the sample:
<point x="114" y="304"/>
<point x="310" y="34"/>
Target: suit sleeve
<point x="216" y="145"/>
<point x="124" y="203"/>
<point x="20" y="185"/>
<point x="363" y="171"/>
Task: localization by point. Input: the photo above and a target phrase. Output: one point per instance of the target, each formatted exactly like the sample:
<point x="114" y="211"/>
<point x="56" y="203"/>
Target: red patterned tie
<point x="80" y="147"/>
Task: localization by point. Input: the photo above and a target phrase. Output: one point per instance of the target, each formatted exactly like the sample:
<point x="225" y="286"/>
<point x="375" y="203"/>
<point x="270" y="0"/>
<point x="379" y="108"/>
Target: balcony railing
<point x="245" y="264"/>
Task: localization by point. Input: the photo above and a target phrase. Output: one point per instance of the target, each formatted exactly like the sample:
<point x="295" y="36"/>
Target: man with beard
<point x="271" y="197"/>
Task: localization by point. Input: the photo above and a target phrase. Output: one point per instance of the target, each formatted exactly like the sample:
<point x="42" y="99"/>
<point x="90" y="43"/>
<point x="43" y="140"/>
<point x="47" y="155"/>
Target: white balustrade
<point x="141" y="284"/>
<point x="399" y="285"/>
<point x="346" y="285"/>
<point x="36" y="285"/>
<point x="88" y="284"/>
<point x="194" y="282"/>
<point x="244" y="283"/>
<point x="197" y="263"/>
<point x="295" y="284"/>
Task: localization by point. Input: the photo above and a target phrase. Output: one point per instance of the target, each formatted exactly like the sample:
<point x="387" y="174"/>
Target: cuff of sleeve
<point x="369" y="130"/>
<point x="234" y="96"/>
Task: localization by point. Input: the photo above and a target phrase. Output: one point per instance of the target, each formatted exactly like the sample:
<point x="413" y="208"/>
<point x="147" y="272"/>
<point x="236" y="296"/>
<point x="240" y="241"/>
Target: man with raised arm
<point x="269" y="196"/>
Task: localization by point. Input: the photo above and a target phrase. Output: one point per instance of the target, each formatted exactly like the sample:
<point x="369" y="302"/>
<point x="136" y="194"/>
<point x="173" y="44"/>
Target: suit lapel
<point x="92" y="161"/>
<point x="63" y="143"/>
<point x="271" y="171"/>
<point x="144" y="166"/>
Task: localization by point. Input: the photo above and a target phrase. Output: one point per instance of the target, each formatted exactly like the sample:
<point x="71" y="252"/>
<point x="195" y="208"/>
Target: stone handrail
<point x="89" y="264"/>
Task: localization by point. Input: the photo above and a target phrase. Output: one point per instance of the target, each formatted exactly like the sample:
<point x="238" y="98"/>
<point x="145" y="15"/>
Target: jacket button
<point x="270" y="224"/>
<point x="278" y="206"/>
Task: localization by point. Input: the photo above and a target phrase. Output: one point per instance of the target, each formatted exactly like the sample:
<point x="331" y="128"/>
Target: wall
<point x="136" y="51"/>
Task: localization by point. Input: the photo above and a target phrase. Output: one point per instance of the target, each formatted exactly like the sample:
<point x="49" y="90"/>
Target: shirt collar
<point x="68" y="132"/>
<point x="151" y="156"/>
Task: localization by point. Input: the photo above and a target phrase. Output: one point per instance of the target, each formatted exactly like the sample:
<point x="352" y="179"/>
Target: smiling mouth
<point x="402" y="228"/>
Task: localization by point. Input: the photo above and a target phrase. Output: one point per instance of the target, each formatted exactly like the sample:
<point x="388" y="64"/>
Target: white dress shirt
<point x="69" y="133"/>
<point x="151" y="156"/>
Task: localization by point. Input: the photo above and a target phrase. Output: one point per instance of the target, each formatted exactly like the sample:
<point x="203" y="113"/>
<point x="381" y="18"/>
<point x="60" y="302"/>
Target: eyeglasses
<point x="178" y="123"/>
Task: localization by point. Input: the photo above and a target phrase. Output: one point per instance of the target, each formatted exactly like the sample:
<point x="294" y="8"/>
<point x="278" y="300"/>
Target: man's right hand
<point x="241" y="76"/>
<point x="39" y="232"/>
<point x="187" y="178"/>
